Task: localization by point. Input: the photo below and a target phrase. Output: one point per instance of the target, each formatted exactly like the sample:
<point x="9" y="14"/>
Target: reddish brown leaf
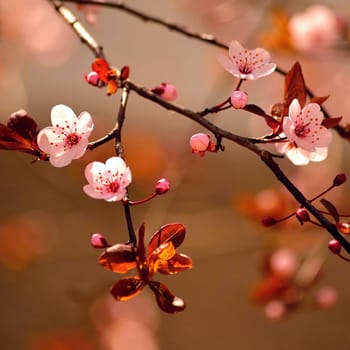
<point x="165" y="299"/>
<point x="118" y="258"/>
<point x="127" y="288"/>
<point x="331" y="122"/>
<point x="319" y="100"/>
<point x="294" y="87"/>
<point x="23" y="124"/>
<point x="101" y="67"/>
<point x="331" y="208"/>
<point x="178" y="263"/>
<point x="174" y="233"/>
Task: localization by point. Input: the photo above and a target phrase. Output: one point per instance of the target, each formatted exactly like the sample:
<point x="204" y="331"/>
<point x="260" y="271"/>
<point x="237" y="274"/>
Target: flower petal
<point x="119" y="258"/>
<point x="61" y="114"/>
<point x="127" y="288"/>
<point x="85" y="124"/>
<point x="165" y="299"/>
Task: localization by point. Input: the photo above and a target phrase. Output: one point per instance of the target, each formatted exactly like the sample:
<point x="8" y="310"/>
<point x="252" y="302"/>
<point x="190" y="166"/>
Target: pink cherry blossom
<point x="247" y="64"/>
<point x="166" y="90"/>
<point x="299" y="156"/>
<point x="307" y="139"/>
<point x="108" y="180"/>
<point x="67" y="139"/>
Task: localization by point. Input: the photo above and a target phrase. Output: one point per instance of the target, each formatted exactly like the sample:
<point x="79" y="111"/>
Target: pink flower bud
<point x="268" y="221"/>
<point x="92" y="78"/>
<point x="239" y="99"/>
<point x="166" y="90"/>
<point x="200" y="143"/>
<point x="334" y="246"/>
<point x="162" y="186"/>
<point x="339" y="180"/>
<point x="98" y="241"/>
<point x="303" y="215"/>
<point x="326" y="297"/>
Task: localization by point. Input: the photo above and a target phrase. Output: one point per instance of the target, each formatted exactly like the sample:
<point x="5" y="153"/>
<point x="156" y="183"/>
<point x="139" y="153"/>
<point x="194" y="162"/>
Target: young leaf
<point x="294" y="87"/>
<point x="331" y="208"/>
<point x="174" y="233"/>
<point x="331" y="122"/>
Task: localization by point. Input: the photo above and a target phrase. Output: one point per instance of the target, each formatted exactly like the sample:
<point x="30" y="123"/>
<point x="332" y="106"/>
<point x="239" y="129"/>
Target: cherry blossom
<point x="247" y="64"/>
<point x="108" y="180"/>
<point x="307" y="138"/>
<point x="67" y="139"/>
<point x="316" y="28"/>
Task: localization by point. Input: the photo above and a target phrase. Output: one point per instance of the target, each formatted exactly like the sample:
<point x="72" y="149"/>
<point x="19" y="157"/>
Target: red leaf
<point x="174" y="233"/>
<point x="331" y="122"/>
<point x="23" y="124"/>
<point x="165" y="299"/>
<point x="319" y="100"/>
<point x="119" y="258"/>
<point x="101" y="67"/>
<point x="331" y="208"/>
<point x="178" y="263"/>
<point x="127" y="288"/>
<point x="294" y="87"/>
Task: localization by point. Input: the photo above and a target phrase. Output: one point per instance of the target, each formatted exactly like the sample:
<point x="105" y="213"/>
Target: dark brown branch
<point x="265" y="156"/>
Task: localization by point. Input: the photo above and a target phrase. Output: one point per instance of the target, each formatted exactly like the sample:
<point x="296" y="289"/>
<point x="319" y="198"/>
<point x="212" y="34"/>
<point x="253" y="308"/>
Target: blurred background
<point x="250" y="286"/>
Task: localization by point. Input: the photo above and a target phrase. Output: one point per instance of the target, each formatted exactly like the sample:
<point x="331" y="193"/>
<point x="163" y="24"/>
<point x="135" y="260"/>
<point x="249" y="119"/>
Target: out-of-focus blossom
<point x="67" y="138"/>
<point x="61" y="340"/>
<point x="108" y="180"/>
<point x="51" y="46"/>
<point x="25" y="238"/>
<point x="166" y="90"/>
<point x="247" y="64"/>
<point x="307" y="138"/>
<point x="20" y="134"/>
<point x="161" y="257"/>
<point x="275" y="310"/>
<point x="284" y="263"/>
<point x="326" y="297"/>
<point x="314" y="29"/>
<point x="131" y="325"/>
<point x="239" y="99"/>
<point x="90" y="12"/>
<point x="200" y="143"/>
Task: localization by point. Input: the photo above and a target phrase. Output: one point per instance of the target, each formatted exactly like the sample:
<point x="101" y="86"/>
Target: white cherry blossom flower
<point x="304" y="127"/>
<point x="108" y="180"/>
<point x="67" y="138"/>
<point x="247" y="64"/>
<point x="299" y="156"/>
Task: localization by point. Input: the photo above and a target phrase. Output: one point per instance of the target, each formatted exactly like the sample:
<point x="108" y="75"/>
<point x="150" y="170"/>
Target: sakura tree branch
<point x="78" y="28"/>
<point x="265" y="156"/>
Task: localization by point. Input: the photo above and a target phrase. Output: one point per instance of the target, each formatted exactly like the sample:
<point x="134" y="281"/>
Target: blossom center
<point x="72" y="139"/>
<point x="302" y="130"/>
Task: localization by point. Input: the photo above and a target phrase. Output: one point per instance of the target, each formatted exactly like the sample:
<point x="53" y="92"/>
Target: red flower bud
<point x="162" y="186"/>
<point x="268" y="221"/>
<point x="334" y="246"/>
<point x="98" y="241"/>
<point x="124" y="73"/>
<point x="303" y="215"/>
<point x="339" y="180"/>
